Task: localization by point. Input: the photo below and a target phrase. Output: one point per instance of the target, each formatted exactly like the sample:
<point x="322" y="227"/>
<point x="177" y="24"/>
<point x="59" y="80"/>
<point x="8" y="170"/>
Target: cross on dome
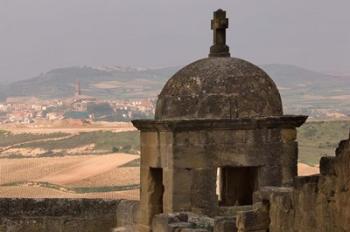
<point x="219" y="24"/>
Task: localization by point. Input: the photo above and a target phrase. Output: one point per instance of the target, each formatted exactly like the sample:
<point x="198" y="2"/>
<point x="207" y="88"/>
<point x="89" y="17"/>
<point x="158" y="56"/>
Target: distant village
<point x="82" y="108"/>
<point x="27" y="110"/>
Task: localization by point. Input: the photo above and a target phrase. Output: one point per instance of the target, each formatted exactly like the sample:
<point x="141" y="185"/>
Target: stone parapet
<point x="182" y="222"/>
<point x="65" y="215"/>
<point x="314" y="203"/>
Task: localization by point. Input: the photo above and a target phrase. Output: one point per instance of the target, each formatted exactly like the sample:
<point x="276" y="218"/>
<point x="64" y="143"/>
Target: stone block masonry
<point x="315" y="203"/>
<point x="65" y="215"/>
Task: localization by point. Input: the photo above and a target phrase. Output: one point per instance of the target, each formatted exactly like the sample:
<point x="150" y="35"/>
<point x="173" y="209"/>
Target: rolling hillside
<point x="112" y="83"/>
<point x="302" y="90"/>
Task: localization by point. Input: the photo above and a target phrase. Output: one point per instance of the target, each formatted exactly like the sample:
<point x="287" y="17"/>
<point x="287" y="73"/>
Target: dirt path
<point x="2" y="149"/>
<point x="88" y="168"/>
<point x="114" y="127"/>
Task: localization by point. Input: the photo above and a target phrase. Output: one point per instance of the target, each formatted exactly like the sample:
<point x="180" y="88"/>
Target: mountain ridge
<point x="300" y="88"/>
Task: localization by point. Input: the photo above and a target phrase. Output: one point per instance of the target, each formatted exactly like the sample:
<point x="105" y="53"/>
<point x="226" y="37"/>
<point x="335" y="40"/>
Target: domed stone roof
<point x="219" y="88"/>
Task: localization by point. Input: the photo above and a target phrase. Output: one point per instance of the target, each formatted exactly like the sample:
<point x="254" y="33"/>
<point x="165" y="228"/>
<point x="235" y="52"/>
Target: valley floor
<point x="102" y="176"/>
<point x="112" y="176"/>
<point x="103" y="161"/>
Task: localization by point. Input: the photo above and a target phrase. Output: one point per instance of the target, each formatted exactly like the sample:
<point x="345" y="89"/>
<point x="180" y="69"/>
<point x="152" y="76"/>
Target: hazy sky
<point x="38" y="35"/>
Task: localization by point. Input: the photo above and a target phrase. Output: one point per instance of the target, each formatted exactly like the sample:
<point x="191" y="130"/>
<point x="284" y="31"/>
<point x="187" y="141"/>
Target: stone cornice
<point x="286" y="121"/>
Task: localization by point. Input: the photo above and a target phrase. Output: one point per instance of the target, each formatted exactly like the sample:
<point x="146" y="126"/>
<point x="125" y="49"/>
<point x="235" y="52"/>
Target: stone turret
<point x="219" y="135"/>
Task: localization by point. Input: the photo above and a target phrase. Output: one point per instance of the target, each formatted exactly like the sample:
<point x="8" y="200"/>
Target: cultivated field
<point x="63" y="144"/>
<point x="105" y="176"/>
<point x="70" y="176"/>
<point x="42" y="192"/>
<point x="104" y="163"/>
<point x="67" y="126"/>
<point x="317" y="139"/>
<point x="69" y="160"/>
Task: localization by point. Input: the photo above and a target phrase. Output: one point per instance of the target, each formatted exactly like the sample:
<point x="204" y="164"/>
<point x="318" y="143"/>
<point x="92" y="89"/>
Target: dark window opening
<point x="158" y="190"/>
<point x="236" y="185"/>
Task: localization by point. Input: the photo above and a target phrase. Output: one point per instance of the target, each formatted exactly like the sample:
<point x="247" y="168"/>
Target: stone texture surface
<point x="128" y="213"/>
<point x="150" y="146"/>
<point x="189" y="153"/>
<point x="182" y="222"/>
<point x="64" y="215"/>
<point x="223" y="88"/>
<point x="225" y="224"/>
<point x="311" y="203"/>
<point x="256" y="219"/>
<point x="316" y="203"/>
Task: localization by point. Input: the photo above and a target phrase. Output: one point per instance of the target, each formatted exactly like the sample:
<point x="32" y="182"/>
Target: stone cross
<point x="219" y="25"/>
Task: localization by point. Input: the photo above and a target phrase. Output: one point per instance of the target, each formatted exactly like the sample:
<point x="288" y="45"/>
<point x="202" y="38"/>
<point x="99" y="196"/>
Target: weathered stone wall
<point x="316" y="203"/>
<point x="191" y="165"/>
<point x="196" y="155"/>
<point x="65" y="215"/>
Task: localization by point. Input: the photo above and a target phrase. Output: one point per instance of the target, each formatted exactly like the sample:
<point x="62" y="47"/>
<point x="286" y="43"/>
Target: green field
<point x="9" y="139"/>
<point x="60" y="144"/>
<point x="104" y="141"/>
<point x="81" y="190"/>
<point x="317" y="139"/>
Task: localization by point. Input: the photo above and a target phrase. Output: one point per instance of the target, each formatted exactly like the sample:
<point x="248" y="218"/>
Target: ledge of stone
<point x="286" y="121"/>
<point x="69" y="215"/>
<point x="300" y="181"/>
<point x="265" y="193"/>
<point x="56" y="207"/>
<point x="327" y="166"/>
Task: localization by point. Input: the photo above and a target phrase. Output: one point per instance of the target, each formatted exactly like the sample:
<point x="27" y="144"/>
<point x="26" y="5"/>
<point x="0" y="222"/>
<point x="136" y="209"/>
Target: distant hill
<point x="293" y="77"/>
<point x="2" y="92"/>
<point x="113" y="83"/>
<point x="302" y="90"/>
